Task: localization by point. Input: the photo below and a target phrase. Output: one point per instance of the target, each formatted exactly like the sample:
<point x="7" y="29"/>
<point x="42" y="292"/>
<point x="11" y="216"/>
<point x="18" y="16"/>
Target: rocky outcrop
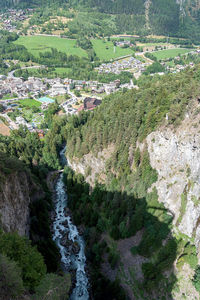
<point x="17" y="190"/>
<point x="92" y="167"/>
<point x="175" y="154"/>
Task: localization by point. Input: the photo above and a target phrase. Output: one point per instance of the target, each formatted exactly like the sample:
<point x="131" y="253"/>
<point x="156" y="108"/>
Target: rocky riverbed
<point x="69" y="241"/>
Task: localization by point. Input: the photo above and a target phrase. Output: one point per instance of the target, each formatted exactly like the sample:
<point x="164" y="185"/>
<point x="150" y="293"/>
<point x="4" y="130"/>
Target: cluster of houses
<point x="126" y="64"/>
<point x="21" y="121"/>
<point x="21" y="88"/>
<point x="178" y="67"/>
<point x="52" y="87"/>
<point x="11" y="17"/>
<point x="124" y="44"/>
<point x="44" y="90"/>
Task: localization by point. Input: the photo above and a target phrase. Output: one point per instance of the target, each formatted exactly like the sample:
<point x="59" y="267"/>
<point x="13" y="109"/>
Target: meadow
<point x="61" y="71"/>
<point x="29" y="103"/>
<point x="152" y="44"/>
<point x="105" y="50"/>
<point x="36" y="44"/>
<point x="170" y="53"/>
<point x="58" y="72"/>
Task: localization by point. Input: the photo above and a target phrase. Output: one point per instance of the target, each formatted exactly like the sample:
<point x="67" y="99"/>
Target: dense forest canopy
<point x="125" y="117"/>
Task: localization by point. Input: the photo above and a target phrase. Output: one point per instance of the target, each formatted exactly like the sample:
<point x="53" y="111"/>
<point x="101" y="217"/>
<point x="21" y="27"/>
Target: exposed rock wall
<point x="175" y="154"/>
<point x="92" y="167"/>
<point x="16" y="193"/>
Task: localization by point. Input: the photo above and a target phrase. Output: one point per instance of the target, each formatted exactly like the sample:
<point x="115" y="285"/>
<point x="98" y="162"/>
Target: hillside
<point x="27" y="251"/>
<point x="171" y="17"/>
<point x="140" y="151"/>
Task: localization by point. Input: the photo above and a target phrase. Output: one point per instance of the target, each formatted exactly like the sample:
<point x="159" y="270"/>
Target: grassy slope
<point x="58" y="71"/>
<point x="30" y="103"/>
<point x="61" y="71"/>
<point x="36" y="44"/>
<point x="107" y="54"/>
<point x="170" y="53"/>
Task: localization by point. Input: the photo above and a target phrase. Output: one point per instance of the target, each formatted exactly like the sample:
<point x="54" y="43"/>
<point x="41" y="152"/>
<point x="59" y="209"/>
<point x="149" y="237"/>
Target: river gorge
<point x="70" y="243"/>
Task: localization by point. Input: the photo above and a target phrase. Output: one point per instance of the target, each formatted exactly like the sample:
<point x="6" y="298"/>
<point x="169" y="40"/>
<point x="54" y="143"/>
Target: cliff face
<point x="175" y="154"/>
<point x="91" y="167"/>
<point x="17" y="190"/>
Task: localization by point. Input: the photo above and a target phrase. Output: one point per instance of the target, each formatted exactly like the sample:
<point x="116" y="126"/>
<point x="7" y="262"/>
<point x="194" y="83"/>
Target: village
<point x="130" y="64"/>
<point x="9" y="20"/>
<point x="72" y="96"/>
<point x="24" y="101"/>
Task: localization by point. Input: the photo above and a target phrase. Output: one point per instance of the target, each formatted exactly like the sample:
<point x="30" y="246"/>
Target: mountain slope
<point x="142" y="147"/>
<point x="162" y="17"/>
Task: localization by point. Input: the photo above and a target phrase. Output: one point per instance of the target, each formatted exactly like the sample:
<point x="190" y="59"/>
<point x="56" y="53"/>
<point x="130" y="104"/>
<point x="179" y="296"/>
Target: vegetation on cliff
<point x="127" y="117"/>
<point x="29" y="260"/>
<point x="124" y="206"/>
<point x="115" y="17"/>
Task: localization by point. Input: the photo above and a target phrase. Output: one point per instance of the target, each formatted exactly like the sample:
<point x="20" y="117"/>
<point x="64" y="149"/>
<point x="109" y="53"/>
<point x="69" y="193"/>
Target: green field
<point x="36" y="44"/>
<point x="58" y="71"/>
<point x="170" y="53"/>
<point x="105" y="50"/>
<point x="152" y="44"/>
<point x="61" y="71"/>
<point x="5" y="97"/>
<point x="29" y="102"/>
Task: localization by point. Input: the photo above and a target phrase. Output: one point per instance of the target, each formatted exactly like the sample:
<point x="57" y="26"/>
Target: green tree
<point x="196" y="278"/>
<point x="53" y="287"/>
<point x="11" y="284"/>
<point x="26" y="256"/>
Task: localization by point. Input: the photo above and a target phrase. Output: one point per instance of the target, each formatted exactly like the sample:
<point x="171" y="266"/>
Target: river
<point x="62" y="227"/>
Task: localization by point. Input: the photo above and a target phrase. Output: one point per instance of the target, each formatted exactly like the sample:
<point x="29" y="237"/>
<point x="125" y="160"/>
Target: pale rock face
<point x="175" y="154"/>
<point x="96" y="164"/>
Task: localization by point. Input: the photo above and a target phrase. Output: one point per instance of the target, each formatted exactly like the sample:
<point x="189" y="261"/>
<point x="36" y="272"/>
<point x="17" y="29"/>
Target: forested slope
<point x="171" y="17"/>
<point x="125" y="117"/>
<point x="123" y="207"/>
<point x="25" y="207"/>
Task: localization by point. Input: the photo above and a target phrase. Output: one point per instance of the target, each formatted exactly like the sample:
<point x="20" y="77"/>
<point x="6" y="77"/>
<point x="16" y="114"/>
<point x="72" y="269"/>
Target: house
<point x="4" y="129"/>
<point x="91" y="103"/>
<point x="2" y="77"/>
<point x="81" y="108"/>
<point x="40" y="133"/>
<point x="58" y="89"/>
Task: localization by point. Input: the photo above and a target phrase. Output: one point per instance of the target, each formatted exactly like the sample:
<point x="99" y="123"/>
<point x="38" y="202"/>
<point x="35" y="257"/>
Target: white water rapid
<point x="62" y="228"/>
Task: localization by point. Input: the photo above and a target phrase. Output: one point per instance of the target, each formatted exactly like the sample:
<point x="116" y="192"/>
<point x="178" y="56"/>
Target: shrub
<point x="53" y="287"/>
<point x="196" y="278"/>
<point x="26" y="256"/>
<point x="11" y="284"/>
